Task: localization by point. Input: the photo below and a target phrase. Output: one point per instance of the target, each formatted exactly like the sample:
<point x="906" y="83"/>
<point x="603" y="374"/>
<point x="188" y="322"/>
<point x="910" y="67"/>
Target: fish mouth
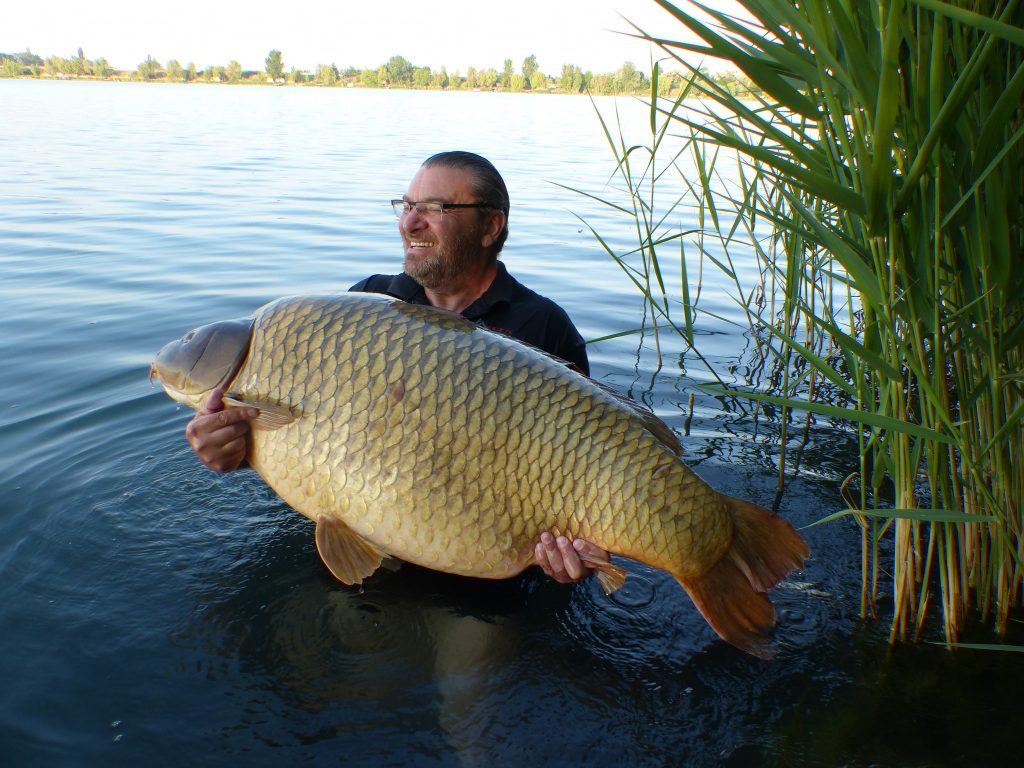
<point x="155" y="378"/>
<point x="173" y="392"/>
<point x="176" y="394"/>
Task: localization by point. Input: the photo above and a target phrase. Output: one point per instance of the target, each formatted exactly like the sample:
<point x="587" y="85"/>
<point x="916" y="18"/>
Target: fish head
<point x="191" y="367"/>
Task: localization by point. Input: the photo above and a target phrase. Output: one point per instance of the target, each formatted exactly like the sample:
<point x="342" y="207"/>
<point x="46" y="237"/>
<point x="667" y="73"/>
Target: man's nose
<point x="412" y="220"/>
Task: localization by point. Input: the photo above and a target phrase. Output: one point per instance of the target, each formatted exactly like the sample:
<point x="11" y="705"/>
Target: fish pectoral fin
<point x="611" y="577"/>
<point x="272" y="415"/>
<point x="347" y="555"/>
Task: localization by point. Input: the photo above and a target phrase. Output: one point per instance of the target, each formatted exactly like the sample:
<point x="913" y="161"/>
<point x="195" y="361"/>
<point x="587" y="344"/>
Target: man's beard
<point x="448" y="264"/>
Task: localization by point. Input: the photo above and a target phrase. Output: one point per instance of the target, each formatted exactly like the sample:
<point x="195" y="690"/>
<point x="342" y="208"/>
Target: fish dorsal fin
<point x="347" y="555"/>
<point x="437" y="316"/>
<point x="654" y="425"/>
<point x="272" y="415"/>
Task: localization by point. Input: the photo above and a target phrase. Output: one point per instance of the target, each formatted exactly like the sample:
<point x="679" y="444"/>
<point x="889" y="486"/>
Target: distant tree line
<point x="397" y="72"/>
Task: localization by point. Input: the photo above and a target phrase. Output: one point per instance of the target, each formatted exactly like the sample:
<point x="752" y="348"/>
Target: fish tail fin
<point x="731" y="595"/>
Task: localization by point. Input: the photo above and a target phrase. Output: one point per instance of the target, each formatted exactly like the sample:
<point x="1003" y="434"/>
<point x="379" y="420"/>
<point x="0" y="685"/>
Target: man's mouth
<point x="421" y="244"/>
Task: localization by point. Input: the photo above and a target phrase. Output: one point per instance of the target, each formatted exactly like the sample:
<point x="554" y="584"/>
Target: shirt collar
<point x="498" y="292"/>
<point x="405" y="288"/>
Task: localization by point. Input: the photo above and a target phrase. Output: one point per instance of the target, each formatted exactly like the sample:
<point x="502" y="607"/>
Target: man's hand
<point x="560" y="558"/>
<point x="220" y="436"/>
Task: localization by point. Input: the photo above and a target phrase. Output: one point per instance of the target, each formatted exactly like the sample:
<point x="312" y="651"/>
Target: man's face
<point x="440" y="248"/>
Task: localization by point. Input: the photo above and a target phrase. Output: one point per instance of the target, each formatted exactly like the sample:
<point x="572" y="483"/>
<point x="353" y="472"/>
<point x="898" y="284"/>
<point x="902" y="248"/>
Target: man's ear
<point x="493" y="226"/>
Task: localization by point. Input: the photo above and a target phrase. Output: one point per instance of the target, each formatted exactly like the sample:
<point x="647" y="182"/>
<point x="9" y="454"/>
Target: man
<point x="453" y="221"/>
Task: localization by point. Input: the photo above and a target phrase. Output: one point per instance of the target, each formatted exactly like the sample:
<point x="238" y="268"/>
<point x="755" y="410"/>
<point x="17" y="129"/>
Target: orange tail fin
<point x="730" y="595"/>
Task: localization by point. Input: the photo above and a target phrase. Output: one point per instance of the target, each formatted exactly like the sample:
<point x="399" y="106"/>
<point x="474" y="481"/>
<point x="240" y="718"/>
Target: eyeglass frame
<point x="402" y="207"/>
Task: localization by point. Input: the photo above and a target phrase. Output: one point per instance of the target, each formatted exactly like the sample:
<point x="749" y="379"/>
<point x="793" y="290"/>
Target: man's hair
<point x="487" y="182"/>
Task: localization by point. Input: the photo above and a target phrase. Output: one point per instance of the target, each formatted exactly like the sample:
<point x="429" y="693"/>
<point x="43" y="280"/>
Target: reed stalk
<point x="883" y="147"/>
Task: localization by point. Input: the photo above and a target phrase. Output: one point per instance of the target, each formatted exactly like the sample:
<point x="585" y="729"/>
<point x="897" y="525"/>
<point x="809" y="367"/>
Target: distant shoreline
<point x="397" y="74"/>
<point x="255" y="82"/>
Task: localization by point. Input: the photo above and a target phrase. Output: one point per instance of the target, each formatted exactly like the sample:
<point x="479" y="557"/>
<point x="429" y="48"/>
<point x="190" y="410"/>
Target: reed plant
<point x="880" y="182"/>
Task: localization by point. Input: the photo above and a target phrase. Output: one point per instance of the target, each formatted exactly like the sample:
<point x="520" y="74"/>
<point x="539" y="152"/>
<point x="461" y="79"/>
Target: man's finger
<point x="206" y="423"/>
<point x="592" y="551"/>
<point x="553" y="558"/>
<point x="540" y="557"/>
<point x="570" y="560"/>
<point x="214" y="403"/>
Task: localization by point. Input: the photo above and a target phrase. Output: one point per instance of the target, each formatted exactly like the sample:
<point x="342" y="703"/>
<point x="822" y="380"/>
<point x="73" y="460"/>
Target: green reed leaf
<point x="756" y="69"/>
<point x="851" y="415"/>
<point x="1001" y="115"/>
<point x="988" y="647"/>
<point x="920" y="515"/>
<point x="819" y="363"/>
<point x="994" y="27"/>
<point x="855" y="264"/>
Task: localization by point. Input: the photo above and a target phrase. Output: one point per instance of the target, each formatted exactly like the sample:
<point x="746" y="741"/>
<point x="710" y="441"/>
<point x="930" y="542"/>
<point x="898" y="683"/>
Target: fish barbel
<point x="411" y="432"/>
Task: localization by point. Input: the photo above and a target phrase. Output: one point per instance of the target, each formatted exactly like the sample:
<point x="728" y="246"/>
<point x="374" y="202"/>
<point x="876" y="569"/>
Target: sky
<point x="456" y="34"/>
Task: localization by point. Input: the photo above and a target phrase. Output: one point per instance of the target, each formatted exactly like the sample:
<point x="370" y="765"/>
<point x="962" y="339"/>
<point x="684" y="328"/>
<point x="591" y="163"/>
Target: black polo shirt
<point x="506" y="306"/>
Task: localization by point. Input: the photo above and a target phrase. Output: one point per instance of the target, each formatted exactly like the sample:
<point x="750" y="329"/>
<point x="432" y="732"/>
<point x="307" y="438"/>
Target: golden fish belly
<point x="448" y="446"/>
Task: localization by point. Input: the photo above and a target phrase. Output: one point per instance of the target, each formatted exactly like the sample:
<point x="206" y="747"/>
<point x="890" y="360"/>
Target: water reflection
<point x="478" y="666"/>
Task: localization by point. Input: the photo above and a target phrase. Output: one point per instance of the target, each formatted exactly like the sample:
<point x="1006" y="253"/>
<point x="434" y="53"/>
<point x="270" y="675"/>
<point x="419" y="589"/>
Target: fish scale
<point x="410" y="432"/>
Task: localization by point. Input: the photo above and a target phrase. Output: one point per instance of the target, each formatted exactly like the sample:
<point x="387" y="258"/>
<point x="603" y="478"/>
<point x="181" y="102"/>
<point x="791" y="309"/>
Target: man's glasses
<point x="403" y="207"/>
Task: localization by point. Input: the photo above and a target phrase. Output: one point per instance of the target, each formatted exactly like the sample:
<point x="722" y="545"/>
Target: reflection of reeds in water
<point x="878" y="178"/>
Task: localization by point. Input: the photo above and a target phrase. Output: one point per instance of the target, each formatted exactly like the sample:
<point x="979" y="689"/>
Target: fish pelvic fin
<point x="610" y="576"/>
<point x="347" y="555"/>
<point x="731" y="594"/>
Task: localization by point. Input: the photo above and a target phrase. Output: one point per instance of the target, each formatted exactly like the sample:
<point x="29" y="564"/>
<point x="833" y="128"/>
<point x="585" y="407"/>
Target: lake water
<point x="154" y="613"/>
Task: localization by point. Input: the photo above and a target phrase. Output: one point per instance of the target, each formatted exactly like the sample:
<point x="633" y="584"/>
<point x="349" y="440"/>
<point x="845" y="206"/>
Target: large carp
<point x="408" y="431"/>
